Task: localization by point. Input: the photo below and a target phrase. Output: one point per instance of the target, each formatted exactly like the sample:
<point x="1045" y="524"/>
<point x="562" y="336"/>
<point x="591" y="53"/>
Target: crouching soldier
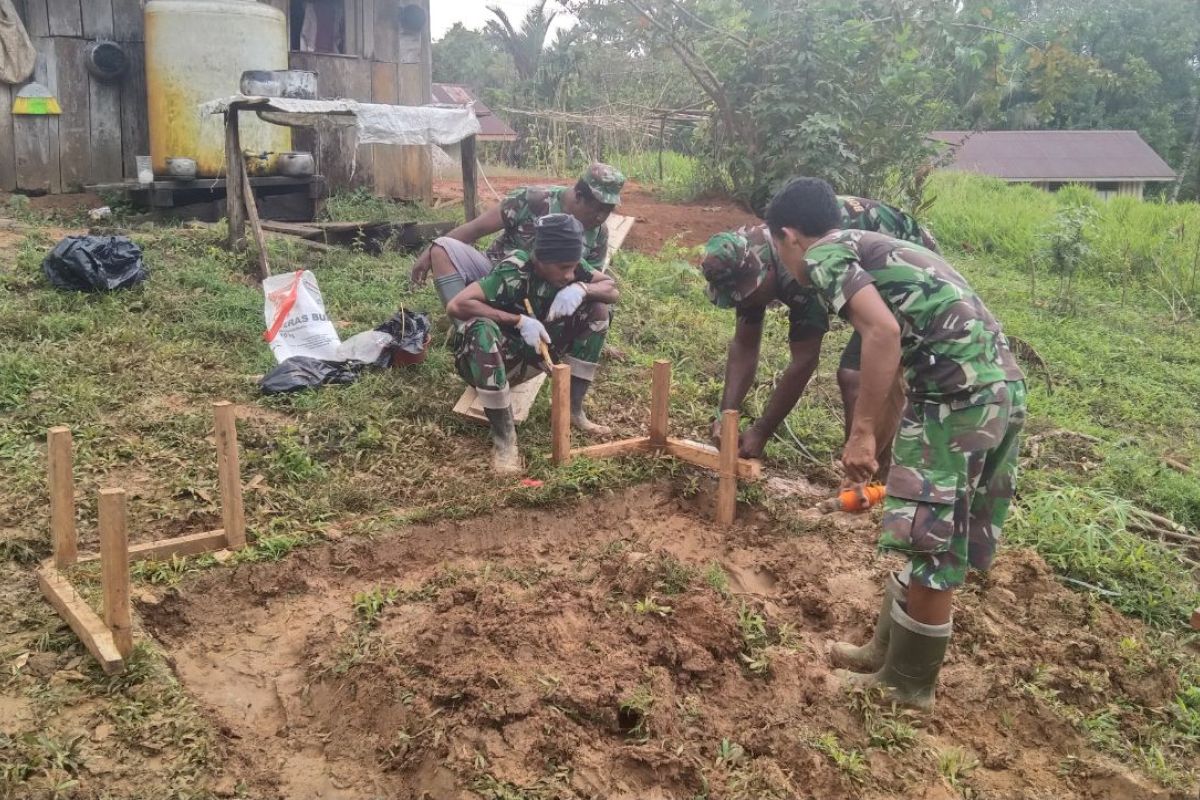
<point x="954" y="460"/>
<point x="498" y="341"/>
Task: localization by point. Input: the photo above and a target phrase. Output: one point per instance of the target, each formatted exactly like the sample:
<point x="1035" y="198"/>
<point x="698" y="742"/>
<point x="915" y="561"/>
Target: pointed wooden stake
<point x="727" y="488"/>
<point x="560" y="414"/>
<point x="61" y="478"/>
<point x="660" y="402"/>
<point x="114" y="569"/>
<point x="229" y="474"/>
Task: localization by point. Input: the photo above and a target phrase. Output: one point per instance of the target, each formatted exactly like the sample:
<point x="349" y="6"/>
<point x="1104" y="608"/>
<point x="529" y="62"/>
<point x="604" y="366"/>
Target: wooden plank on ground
<point x="128" y="21"/>
<point x="709" y="457"/>
<point x="293" y="229"/>
<point x="74" y="128"/>
<point x="97" y="19"/>
<point x="135" y="127"/>
<point x="523" y="395"/>
<point x="191" y="544"/>
<point x="106" y="131"/>
<point x="625" y="447"/>
<point x="618" y="228"/>
<point x="87" y="625"/>
<point x="65" y="17"/>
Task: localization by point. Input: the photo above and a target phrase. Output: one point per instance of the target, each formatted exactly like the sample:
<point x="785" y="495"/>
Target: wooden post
<point x="114" y="568"/>
<point x="727" y="488"/>
<point x="235" y="202"/>
<point x="560" y="413"/>
<point x="260" y="240"/>
<point x="660" y="402"/>
<point x="470" y="181"/>
<point x="229" y="474"/>
<point x="61" y="479"/>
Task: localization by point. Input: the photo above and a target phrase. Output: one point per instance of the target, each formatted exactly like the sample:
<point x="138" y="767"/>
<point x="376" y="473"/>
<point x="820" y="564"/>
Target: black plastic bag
<point x="95" y="264"/>
<point x="400" y="340"/>
<point x="301" y="372"/>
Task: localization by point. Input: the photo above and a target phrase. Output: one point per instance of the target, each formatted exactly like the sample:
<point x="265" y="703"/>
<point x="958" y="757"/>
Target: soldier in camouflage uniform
<point x="954" y="464"/>
<point x="743" y="273"/>
<point x="498" y="341"/>
<point x="591" y="200"/>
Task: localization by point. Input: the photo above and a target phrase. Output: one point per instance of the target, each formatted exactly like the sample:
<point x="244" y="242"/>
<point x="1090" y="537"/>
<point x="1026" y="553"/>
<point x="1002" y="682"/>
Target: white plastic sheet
<point x="375" y="123"/>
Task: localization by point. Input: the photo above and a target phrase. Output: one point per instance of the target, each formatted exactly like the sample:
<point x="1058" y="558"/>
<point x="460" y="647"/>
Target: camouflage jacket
<point x="513" y="281"/>
<point x="951" y="345"/>
<point x="519" y="210"/>
<point x="861" y="214"/>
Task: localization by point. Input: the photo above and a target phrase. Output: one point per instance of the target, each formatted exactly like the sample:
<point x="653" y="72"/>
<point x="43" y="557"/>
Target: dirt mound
<point x="623" y="648"/>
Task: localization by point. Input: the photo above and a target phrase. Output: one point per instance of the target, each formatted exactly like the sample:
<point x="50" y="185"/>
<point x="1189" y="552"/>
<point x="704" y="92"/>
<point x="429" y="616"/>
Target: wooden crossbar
<point x="88" y="626"/>
<point x="190" y="544"/>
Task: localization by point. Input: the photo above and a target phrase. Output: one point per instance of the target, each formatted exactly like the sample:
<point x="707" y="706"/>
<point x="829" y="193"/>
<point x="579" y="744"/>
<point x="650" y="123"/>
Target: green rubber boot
<point x="506" y="459"/>
<point x="914" y="658"/>
<point x="869" y="657"/>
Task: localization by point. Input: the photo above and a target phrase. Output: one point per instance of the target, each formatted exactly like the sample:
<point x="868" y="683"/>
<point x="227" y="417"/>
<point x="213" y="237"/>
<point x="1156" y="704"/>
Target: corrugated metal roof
<point x="1090" y="156"/>
<point x="494" y="128"/>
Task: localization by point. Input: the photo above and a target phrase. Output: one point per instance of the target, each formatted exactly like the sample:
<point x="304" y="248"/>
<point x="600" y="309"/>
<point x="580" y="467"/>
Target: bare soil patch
<point x="658" y="222"/>
<point x="590" y="652"/>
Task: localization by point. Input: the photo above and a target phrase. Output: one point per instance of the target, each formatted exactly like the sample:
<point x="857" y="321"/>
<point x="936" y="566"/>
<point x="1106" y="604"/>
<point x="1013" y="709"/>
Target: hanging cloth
<point x="17" y="56"/>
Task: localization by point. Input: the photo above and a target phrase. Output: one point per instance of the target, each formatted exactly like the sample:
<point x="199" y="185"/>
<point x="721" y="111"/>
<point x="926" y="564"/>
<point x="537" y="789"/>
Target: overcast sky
<point x="474" y="13"/>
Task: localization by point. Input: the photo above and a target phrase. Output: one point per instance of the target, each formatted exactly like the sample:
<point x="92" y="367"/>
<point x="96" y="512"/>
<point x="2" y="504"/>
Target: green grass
<point x="683" y="177"/>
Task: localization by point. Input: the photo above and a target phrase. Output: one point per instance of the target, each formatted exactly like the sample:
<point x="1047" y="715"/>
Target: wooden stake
<point x="660" y="402"/>
<point x="61" y="478"/>
<point x="470" y="180"/>
<point x="229" y="474"/>
<point x="260" y="241"/>
<point x="114" y="568"/>
<point x="560" y="413"/>
<point x="727" y="488"/>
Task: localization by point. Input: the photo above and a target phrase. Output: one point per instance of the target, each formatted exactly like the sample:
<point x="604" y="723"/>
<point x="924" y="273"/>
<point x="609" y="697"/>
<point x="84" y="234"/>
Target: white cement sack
<point x="297" y="324"/>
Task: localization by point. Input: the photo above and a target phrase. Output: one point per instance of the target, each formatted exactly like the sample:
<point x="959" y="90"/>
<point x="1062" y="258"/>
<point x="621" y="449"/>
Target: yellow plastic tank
<point x="196" y="51"/>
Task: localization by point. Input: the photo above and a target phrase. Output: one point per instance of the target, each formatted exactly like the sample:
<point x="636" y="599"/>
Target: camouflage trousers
<point x="953" y="474"/>
<point x="491" y="358"/>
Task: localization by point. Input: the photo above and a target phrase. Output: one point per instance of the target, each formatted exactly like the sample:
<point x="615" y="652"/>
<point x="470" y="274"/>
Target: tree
<point x="468" y="57"/>
<point x="524" y="45"/>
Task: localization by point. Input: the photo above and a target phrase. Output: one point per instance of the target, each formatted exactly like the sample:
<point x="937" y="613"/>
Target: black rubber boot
<point x="914" y="658"/>
<point x="869" y="657"/>
<point x="506" y="459"/>
<point x="579" y="420"/>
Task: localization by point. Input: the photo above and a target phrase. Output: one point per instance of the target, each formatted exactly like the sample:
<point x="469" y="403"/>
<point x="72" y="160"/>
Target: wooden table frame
<point x="110" y="639"/>
<point x="724" y="461"/>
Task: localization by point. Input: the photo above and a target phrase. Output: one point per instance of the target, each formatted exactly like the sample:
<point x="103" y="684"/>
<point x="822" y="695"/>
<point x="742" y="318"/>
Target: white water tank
<point x="196" y="51"/>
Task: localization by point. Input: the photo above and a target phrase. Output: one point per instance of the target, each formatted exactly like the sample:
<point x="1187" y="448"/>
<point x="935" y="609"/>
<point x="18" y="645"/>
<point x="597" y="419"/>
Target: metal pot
<point x="296" y="84"/>
<point x="296" y="164"/>
<point x="181" y="169"/>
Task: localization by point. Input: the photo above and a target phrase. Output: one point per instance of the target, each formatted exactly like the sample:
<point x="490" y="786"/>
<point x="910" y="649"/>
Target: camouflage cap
<point x="724" y="256"/>
<point x="605" y="182"/>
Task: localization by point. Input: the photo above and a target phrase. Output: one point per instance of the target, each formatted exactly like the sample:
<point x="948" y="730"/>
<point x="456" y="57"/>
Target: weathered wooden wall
<point x="103" y="125"/>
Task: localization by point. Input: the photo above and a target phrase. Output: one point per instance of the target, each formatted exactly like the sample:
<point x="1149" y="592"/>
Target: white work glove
<point x="567" y="301"/>
<point x="533" y="331"/>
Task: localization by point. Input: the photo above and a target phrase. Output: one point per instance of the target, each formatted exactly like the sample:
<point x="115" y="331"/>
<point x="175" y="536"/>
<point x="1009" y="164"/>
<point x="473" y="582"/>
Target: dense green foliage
<point x="845" y="90"/>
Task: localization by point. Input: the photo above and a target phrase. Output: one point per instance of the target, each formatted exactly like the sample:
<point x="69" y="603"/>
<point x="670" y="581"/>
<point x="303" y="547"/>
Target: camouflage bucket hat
<point x="724" y="256"/>
<point x="605" y="182"/>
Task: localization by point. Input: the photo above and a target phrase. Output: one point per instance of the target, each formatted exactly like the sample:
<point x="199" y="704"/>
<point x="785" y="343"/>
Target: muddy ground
<point x="626" y="648"/>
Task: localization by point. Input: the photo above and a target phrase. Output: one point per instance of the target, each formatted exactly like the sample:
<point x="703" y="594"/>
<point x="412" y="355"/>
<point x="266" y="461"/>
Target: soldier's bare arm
<point x="602" y="288"/>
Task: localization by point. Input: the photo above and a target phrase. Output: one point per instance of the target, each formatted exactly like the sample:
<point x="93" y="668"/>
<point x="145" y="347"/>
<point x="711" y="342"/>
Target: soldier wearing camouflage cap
<point x="456" y="264"/>
<point x="954" y="461"/>
<point x="743" y="273"/>
<point x="498" y="340"/>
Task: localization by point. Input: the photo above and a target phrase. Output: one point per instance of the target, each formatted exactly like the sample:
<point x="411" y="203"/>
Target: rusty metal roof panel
<point x="1089" y="156"/>
<point x="493" y="128"/>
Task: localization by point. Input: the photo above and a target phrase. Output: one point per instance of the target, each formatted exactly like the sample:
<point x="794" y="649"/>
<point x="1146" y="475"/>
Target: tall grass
<point x="1144" y="252"/>
<point x="682" y="177"/>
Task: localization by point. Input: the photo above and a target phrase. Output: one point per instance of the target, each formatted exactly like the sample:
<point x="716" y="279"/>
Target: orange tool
<point x="859" y="498"/>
